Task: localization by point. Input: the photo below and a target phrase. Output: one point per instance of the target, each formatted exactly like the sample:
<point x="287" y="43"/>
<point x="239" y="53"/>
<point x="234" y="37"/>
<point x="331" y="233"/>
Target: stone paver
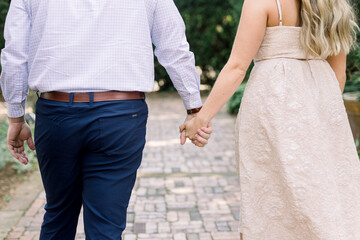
<point x="20" y="202"/>
<point x="182" y="192"/>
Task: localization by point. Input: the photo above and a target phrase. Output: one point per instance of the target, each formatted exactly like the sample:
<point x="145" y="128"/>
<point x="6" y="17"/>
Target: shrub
<point x="210" y="29"/>
<point x="235" y="101"/>
<point x="4" y="6"/>
<point x="353" y="61"/>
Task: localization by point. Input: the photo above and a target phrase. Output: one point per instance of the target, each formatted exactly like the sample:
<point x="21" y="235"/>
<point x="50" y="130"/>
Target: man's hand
<point x="19" y="132"/>
<point x="202" y="136"/>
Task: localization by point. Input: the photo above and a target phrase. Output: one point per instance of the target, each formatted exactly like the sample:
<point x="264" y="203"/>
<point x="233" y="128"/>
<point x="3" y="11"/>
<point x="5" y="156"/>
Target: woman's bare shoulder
<point x="265" y="6"/>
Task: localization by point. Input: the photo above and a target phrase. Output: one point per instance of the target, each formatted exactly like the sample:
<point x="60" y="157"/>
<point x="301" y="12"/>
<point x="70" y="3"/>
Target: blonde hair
<point x="328" y="27"/>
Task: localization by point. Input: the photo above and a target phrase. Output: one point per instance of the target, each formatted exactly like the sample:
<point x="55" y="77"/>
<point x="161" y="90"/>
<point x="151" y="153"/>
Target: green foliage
<point x="4" y="7"/>
<point x="353" y="61"/>
<point x="210" y="28"/>
<point x="235" y="101"/>
<point x="237" y="9"/>
<point x="353" y="73"/>
<point x="6" y="158"/>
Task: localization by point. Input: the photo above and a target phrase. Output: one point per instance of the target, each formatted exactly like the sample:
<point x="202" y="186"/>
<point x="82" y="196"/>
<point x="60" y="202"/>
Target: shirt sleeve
<point x="14" y="58"/>
<point x="173" y="52"/>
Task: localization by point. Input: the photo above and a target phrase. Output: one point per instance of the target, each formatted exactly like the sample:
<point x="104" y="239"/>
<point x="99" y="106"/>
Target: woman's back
<point x="283" y="33"/>
<point x="290" y="13"/>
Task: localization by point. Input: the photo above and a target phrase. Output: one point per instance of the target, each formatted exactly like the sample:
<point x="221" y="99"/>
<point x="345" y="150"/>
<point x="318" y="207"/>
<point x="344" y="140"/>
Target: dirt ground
<point x="9" y="180"/>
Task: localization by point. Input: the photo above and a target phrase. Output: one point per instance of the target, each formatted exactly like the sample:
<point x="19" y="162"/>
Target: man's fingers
<point x="182" y="128"/>
<point x="19" y="150"/>
<point x="182" y="137"/>
<point x="21" y="157"/>
<point x="23" y="160"/>
<point x="12" y="152"/>
<point x="30" y="143"/>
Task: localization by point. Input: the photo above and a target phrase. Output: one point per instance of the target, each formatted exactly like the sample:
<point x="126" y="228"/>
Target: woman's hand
<point x="203" y="136"/>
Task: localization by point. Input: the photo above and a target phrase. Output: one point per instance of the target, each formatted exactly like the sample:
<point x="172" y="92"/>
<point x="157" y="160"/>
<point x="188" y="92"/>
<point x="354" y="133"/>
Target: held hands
<point x="19" y="132"/>
<point x="197" y="130"/>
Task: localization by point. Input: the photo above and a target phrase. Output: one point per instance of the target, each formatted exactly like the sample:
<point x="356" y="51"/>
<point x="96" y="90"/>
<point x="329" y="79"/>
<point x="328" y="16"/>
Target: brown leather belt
<point x="98" y="96"/>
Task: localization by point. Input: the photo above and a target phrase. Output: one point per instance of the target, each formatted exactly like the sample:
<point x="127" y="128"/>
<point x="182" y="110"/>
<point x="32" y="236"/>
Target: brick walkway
<point x="182" y="193"/>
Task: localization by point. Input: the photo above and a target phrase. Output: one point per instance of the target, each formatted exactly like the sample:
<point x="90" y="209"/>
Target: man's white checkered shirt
<point x="94" y="45"/>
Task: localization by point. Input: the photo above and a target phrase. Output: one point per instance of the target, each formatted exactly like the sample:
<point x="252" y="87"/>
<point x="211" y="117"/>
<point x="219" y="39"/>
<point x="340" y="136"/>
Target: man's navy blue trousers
<point x="88" y="155"/>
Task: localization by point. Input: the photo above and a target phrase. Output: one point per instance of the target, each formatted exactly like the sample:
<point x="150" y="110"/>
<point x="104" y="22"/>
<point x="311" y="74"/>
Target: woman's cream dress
<point x="299" y="168"/>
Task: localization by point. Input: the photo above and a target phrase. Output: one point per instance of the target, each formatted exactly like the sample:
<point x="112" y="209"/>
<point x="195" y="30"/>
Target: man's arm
<point x="173" y="52"/>
<point x="14" y="82"/>
<point x="14" y="58"/>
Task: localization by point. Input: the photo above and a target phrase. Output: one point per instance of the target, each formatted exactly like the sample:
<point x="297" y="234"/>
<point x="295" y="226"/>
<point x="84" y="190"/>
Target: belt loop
<point x="71" y="98"/>
<point x="91" y="98"/>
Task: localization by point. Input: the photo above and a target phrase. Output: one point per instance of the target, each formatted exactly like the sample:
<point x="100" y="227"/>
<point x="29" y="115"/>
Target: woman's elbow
<point x="236" y="67"/>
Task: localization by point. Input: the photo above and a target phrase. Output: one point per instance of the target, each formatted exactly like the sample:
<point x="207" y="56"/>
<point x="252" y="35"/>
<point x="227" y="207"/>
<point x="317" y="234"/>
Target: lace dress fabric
<point x="298" y="164"/>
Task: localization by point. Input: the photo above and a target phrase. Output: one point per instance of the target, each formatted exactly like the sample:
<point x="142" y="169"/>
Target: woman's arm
<point x="338" y="64"/>
<point x="249" y="37"/>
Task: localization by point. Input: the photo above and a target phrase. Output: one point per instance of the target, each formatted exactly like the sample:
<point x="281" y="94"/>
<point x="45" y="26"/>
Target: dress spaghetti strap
<point x="280" y="12"/>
